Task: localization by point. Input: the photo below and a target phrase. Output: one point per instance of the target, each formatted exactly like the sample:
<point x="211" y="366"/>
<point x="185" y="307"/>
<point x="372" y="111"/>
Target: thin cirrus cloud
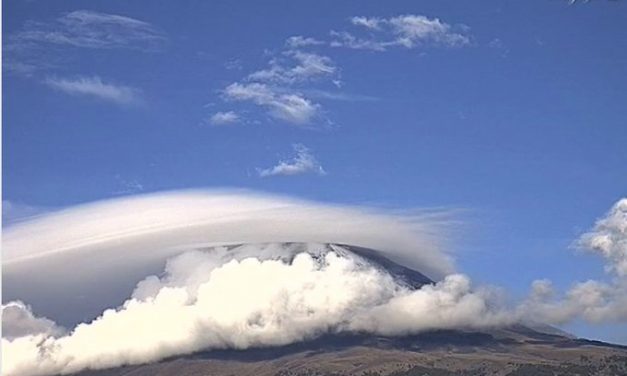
<point x="304" y="162"/>
<point x="409" y="31"/>
<point x="88" y="29"/>
<point x="96" y="88"/>
<point x="301" y="41"/>
<point x="36" y="46"/>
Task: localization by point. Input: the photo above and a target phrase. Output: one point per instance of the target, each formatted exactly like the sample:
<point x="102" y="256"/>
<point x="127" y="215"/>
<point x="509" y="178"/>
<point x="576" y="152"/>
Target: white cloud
<point x="369" y="23"/>
<point x="309" y="66"/>
<point x="273" y="87"/>
<point x="298" y="41"/>
<point x="37" y="45"/>
<point x="18" y="321"/>
<point x="345" y="39"/>
<point x="304" y="162"/>
<point x="593" y="301"/>
<point x="408" y="31"/>
<point x="290" y="107"/>
<point x="259" y="294"/>
<point x="88" y="29"/>
<point x="95" y="87"/>
<point x="224" y="299"/>
<point x="224" y="118"/>
<point x="609" y="238"/>
<point x="86" y="242"/>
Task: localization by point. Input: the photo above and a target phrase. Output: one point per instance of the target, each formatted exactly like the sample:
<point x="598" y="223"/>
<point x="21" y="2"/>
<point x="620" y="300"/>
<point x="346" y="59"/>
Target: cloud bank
<point x="203" y="301"/>
<point x="19" y="321"/>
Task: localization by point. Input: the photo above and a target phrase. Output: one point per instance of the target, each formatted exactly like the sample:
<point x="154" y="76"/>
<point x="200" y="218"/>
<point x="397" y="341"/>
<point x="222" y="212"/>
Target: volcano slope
<point x="513" y="350"/>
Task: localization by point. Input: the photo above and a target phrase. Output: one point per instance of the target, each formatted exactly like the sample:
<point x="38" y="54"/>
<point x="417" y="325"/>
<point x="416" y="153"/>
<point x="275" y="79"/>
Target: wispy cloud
<point x="36" y="46"/>
<point x="127" y="186"/>
<point x="224" y="118"/>
<point x="95" y="87"/>
<point x="90" y="29"/>
<point x="300" y="41"/>
<point x="290" y="107"/>
<point x="304" y="162"/>
<point x="309" y="66"/>
<point x="409" y="31"/>
<point x="299" y="75"/>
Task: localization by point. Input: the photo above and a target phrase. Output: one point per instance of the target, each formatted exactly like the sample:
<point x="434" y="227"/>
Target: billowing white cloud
<point x="18" y="321"/>
<point x="408" y="31"/>
<point x="224" y="118"/>
<point x="290" y="107"/>
<point x="593" y="301"/>
<point x="609" y="238"/>
<point x="208" y="301"/>
<point x="95" y="87"/>
<point x="304" y="162"/>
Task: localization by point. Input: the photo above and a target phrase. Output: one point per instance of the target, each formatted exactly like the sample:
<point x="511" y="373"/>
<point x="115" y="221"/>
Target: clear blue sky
<point x="515" y="111"/>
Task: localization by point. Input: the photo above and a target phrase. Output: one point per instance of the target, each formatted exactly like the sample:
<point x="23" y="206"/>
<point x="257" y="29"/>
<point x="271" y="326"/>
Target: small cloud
<point x="304" y="162"/>
<point x="290" y="107"/>
<point x="128" y="186"/>
<point x="407" y="31"/>
<point x="224" y="118"/>
<point x="300" y="41"/>
<point x="369" y="23"/>
<point x="233" y="64"/>
<point x="309" y="66"/>
<point x="95" y="87"/>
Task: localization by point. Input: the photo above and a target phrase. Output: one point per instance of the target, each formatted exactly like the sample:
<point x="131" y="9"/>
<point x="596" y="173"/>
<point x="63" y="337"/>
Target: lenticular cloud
<point x="74" y="265"/>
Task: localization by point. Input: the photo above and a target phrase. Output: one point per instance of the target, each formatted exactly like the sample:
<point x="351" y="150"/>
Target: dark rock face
<point x="514" y="351"/>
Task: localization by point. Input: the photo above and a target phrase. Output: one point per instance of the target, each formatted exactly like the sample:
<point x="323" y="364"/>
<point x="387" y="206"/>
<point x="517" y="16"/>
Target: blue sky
<point x="512" y="111"/>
